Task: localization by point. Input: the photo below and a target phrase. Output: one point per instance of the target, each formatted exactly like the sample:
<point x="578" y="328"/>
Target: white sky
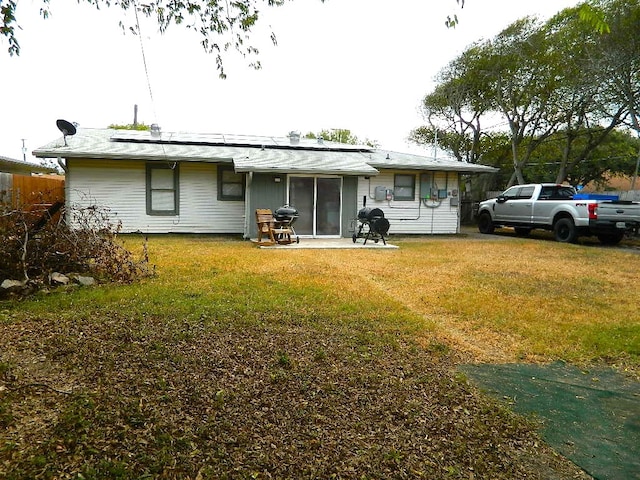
<point x="363" y="65"/>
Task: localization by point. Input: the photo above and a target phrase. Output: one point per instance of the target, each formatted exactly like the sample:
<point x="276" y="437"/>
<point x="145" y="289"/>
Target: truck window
<point x="526" y="192"/>
<point x="566" y="193"/>
<point x="546" y="193"/>
<point x="511" y="192"/>
<point x="557" y="192"/>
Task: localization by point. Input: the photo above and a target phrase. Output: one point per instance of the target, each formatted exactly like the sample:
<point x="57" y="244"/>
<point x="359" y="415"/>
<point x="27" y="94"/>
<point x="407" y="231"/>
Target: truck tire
<point x="611" y="238"/>
<point x="565" y="231"/>
<point x="485" y="224"/>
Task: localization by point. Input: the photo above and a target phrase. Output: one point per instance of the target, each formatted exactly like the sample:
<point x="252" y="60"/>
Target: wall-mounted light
<point x="277" y="179"/>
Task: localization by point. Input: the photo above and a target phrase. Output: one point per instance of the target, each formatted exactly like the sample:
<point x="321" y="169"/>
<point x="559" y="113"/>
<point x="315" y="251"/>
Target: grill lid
<point x="368" y="214"/>
<point x="286" y="211"/>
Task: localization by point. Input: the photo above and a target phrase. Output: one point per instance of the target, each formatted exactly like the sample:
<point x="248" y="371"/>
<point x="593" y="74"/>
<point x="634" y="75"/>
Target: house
<point x="157" y="182"/>
<point x="23" y="183"/>
<point x="10" y="165"/>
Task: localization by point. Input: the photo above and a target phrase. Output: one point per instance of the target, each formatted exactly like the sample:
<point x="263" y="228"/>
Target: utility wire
<point x="144" y="62"/>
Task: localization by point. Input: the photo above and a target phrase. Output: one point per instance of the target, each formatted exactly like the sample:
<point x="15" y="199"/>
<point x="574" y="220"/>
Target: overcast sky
<point x="362" y="65"/>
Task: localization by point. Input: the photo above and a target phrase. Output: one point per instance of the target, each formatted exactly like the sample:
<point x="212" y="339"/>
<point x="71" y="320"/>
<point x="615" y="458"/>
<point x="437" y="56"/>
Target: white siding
<point x="120" y="186"/>
<point x="414" y="217"/>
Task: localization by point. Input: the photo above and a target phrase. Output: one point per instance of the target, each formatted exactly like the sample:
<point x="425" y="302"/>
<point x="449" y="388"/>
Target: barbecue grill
<point x="373" y="223"/>
<point x="285" y="217"/>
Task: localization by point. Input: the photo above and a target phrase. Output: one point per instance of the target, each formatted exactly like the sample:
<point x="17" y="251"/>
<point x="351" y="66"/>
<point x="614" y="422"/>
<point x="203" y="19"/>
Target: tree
<point x="621" y="60"/>
<point x="613" y="156"/>
<point x="453" y="110"/>
<point x="586" y="114"/>
<point x="222" y="25"/>
<point x="551" y="81"/>
<point x="130" y="126"/>
<point x="341" y="135"/>
<point x="213" y="18"/>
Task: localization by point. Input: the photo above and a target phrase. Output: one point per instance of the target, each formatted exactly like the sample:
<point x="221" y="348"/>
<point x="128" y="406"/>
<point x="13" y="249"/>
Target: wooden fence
<point x="23" y="191"/>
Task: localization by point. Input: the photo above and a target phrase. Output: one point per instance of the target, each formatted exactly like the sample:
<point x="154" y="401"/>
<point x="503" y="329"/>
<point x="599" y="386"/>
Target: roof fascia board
<point x="438" y="168"/>
<point x="120" y="156"/>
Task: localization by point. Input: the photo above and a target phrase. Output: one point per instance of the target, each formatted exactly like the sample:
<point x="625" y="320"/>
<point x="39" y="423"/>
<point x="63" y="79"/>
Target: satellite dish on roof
<point x="67" y="128"/>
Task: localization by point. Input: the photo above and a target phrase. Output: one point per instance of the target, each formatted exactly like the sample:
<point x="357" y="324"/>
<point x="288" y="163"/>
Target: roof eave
<point x="462" y="168"/>
<point x="120" y="156"/>
<point x="289" y="171"/>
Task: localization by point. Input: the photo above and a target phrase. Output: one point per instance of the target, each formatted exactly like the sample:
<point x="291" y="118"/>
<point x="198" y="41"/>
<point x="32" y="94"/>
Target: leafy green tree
<point x="621" y="60"/>
<point x="212" y="19"/>
<point x="341" y="135"/>
<point x="130" y="126"/>
<point x="586" y="114"/>
<point x="454" y="109"/>
<point x="613" y="156"/>
<point x="547" y="81"/>
<point x="222" y="25"/>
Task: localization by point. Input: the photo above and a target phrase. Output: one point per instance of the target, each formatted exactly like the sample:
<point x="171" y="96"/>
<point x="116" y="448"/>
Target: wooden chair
<point x="266" y="223"/>
<point x="268" y="227"/>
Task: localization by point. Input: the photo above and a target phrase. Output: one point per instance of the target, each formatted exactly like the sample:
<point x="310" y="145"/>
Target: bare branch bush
<point x="37" y="241"/>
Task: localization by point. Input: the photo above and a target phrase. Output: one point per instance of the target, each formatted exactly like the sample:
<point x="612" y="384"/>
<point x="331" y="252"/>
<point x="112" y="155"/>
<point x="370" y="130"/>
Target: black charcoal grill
<point x="285" y="217"/>
<point x="372" y="225"/>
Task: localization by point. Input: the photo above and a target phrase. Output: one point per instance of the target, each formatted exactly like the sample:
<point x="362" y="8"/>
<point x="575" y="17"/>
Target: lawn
<point x="239" y="362"/>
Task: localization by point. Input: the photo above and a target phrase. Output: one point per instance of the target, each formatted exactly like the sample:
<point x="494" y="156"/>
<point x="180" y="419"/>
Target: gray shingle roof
<point x="12" y="165"/>
<point x="408" y="161"/>
<point x="248" y="153"/>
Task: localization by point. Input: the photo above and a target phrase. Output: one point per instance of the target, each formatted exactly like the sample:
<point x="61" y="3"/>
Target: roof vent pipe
<point x="294" y="137"/>
<point x="155" y="130"/>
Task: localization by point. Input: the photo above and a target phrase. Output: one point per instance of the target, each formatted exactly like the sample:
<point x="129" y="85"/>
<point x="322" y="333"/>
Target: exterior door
<point x="319" y="204"/>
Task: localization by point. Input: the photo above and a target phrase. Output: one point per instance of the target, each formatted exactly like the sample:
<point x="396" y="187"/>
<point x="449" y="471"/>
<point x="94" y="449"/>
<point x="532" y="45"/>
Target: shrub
<point x="38" y="241"/>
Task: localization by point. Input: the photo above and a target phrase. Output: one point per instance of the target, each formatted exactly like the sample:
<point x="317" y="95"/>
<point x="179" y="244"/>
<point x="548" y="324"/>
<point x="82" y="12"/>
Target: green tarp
<point x="590" y="416"/>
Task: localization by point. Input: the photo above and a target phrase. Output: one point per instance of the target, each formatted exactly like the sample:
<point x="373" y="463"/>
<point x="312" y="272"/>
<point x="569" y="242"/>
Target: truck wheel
<point x="485" y="224"/>
<point x="522" y="231"/>
<point x="565" y="231"/>
<point x="611" y="238"/>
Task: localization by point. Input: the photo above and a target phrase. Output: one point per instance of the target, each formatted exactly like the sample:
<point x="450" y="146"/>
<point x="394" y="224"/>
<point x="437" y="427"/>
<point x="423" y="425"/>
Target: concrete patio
<point x="330" y="243"/>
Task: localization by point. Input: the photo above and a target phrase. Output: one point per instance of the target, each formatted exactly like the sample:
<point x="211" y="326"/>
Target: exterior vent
<point x="294" y="137"/>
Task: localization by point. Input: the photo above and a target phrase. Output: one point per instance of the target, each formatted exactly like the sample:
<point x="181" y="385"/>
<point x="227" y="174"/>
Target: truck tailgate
<point x="619" y="211"/>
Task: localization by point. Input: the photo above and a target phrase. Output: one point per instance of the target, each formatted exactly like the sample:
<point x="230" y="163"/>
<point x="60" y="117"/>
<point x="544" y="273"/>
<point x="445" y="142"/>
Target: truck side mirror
<point x="501" y="199"/>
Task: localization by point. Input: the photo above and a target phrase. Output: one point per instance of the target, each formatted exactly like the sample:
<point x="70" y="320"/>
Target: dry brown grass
<point x="237" y="362"/>
<point x="494" y="299"/>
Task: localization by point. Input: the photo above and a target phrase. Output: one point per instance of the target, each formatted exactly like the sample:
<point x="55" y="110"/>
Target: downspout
<point x="247" y="207"/>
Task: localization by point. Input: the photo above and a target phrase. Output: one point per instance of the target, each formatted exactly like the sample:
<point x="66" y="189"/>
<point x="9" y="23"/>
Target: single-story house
<point x="11" y="165"/>
<point x="157" y="182"/>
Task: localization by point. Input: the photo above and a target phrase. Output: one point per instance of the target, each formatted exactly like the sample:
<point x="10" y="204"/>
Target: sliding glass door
<point x="318" y="200"/>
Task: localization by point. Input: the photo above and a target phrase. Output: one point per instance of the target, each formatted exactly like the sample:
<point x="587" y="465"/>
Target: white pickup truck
<point x="556" y="208"/>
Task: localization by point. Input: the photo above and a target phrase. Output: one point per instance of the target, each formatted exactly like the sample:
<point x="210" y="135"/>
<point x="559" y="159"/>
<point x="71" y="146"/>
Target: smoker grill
<point x="373" y="223"/>
<point x="285" y="217"/>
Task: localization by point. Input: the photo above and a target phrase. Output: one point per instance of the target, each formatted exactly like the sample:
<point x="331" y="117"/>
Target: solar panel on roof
<point x="217" y="139"/>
